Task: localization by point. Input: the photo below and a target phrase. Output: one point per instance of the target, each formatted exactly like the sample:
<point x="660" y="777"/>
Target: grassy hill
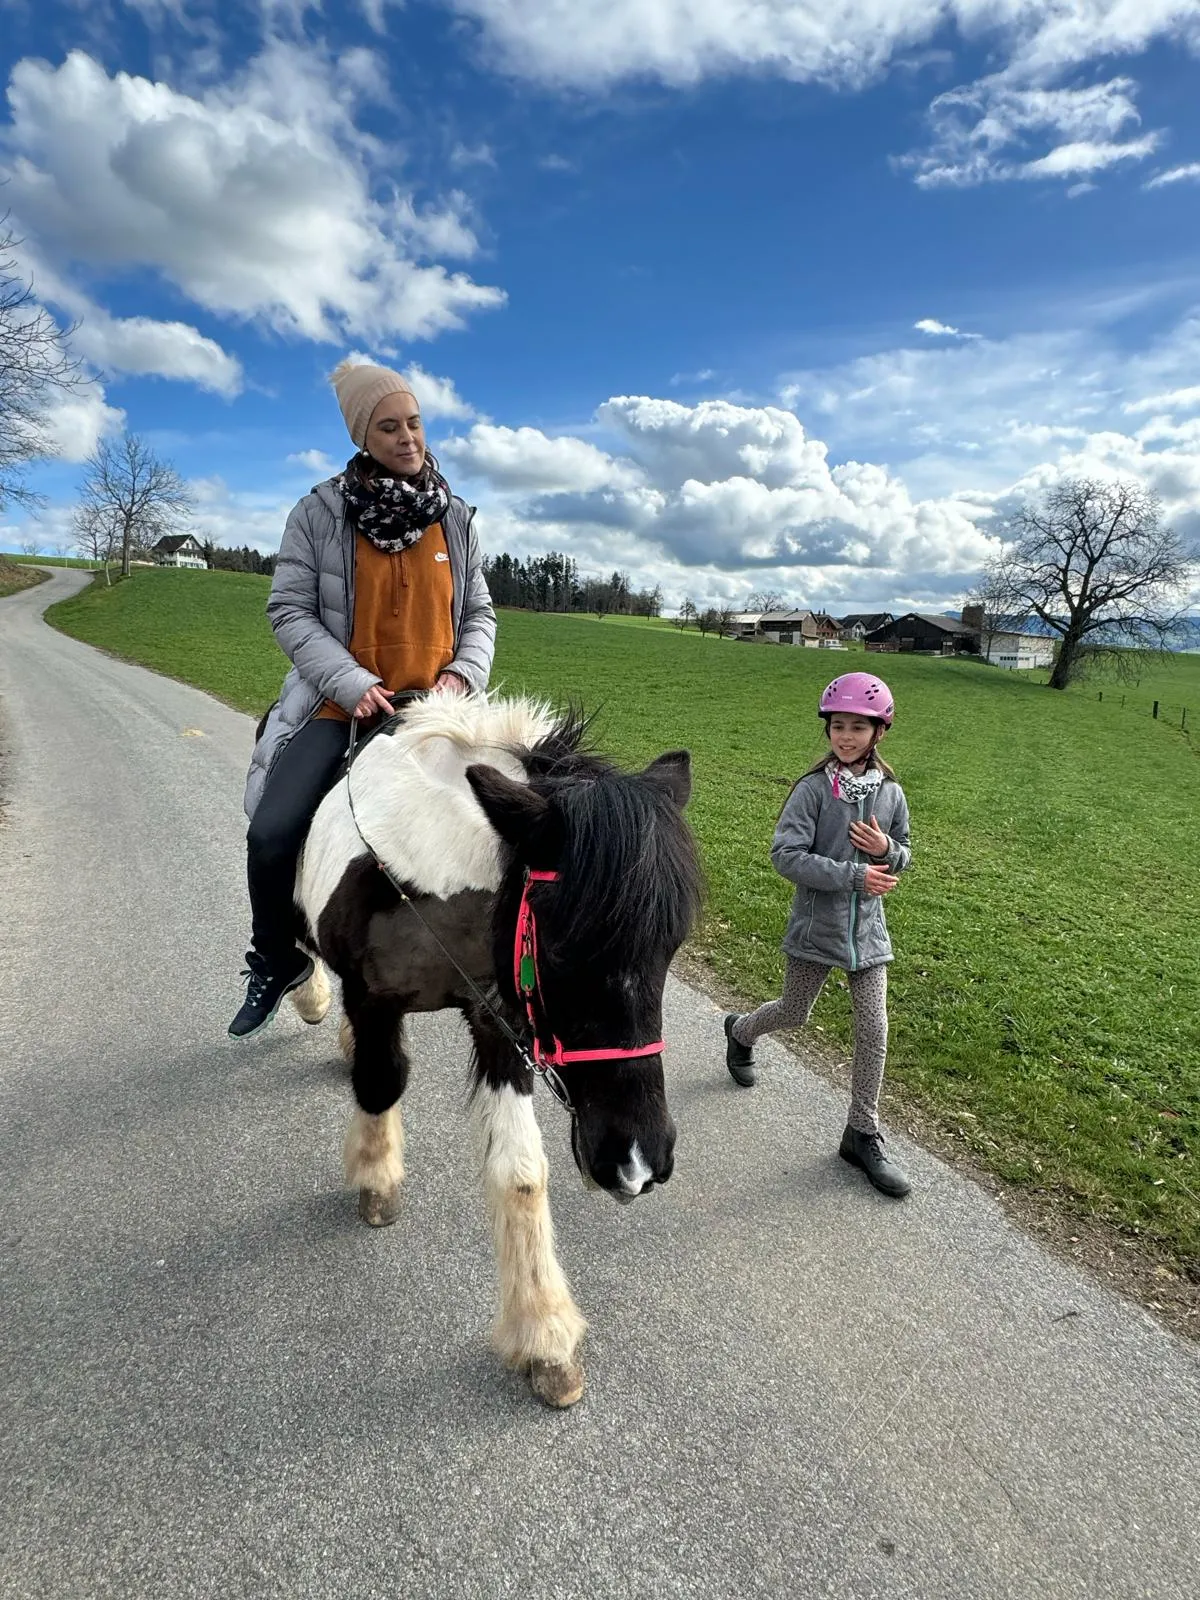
<point x="1048" y="939"/>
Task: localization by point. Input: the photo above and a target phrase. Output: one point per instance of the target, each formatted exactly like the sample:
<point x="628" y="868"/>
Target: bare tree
<point x="1094" y="563"/>
<point x="687" y="612"/>
<point x="724" y="620"/>
<point x="97" y="535"/>
<point x="765" y="600"/>
<point x="706" y="620"/>
<point x="129" y="498"/>
<point x="34" y="366"/>
<point x="30" y="547"/>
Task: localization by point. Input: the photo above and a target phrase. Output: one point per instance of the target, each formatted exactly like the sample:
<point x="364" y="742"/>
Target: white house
<point x="178" y="550"/>
<point x="1017" y="650"/>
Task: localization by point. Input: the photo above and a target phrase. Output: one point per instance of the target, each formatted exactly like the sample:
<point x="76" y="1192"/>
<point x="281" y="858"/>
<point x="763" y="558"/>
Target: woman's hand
<point x="450" y="683"/>
<point x="869" y="837"/>
<point x="374" y="701"/>
<point x="879" y="881"/>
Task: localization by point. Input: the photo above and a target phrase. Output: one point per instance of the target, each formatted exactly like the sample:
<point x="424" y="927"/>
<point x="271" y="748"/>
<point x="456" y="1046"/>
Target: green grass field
<point x="1044" y="996"/>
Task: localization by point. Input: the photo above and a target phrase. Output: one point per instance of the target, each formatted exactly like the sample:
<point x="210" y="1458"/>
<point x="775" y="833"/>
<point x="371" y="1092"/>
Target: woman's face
<point x="396" y="437"/>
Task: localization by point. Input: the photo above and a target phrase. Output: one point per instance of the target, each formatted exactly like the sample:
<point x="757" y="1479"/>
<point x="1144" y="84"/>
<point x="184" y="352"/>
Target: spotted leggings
<point x="802" y="984"/>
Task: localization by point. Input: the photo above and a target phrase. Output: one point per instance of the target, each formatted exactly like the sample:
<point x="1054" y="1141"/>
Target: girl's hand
<point x="374" y="701"/>
<point x="879" y="881"/>
<point x="450" y="683"/>
<point x="869" y="837"/>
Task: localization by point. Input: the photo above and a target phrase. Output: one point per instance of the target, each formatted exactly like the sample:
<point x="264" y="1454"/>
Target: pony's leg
<point x="374" y="1149"/>
<point x="346" y="1038"/>
<point x="539" y="1327"/>
<point x="312" y="999"/>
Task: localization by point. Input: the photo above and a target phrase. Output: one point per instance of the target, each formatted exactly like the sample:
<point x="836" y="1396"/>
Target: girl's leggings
<point x="868" y="992"/>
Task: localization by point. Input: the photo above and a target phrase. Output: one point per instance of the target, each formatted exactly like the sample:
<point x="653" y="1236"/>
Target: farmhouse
<point x="933" y="635"/>
<point x="859" y="623"/>
<point x="1005" y="642"/>
<point x="743" y="624"/>
<point x="178" y="550"/>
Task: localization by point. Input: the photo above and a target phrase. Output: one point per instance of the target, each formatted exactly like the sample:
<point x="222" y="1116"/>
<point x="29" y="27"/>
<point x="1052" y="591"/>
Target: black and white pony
<point x="483" y="831"/>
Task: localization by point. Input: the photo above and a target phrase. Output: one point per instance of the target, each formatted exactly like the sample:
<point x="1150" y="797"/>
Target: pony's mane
<point x="628" y="861"/>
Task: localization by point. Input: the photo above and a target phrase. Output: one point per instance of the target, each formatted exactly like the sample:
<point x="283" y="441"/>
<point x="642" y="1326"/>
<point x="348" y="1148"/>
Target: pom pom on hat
<point x="359" y="389"/>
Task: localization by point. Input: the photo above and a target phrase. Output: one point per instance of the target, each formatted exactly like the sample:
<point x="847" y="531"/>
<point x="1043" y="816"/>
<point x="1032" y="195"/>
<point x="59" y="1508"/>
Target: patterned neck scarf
<point x="853" y="786"/>
<point x="393" y="513"/>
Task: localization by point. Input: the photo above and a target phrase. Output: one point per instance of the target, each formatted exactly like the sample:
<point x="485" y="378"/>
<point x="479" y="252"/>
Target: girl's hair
<point x="874" y="759"/>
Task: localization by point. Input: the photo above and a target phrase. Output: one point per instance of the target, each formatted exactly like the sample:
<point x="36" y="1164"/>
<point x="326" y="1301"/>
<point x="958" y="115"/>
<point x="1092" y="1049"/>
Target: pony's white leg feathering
<point x="312" y="999"/>
<point x="374" y="1156"/>
<point x="539" y="1327"/>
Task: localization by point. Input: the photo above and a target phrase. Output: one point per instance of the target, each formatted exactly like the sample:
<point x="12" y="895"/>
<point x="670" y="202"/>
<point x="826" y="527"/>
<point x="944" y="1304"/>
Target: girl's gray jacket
<point x="834" y="921"/>
<point x="311" y="609"/>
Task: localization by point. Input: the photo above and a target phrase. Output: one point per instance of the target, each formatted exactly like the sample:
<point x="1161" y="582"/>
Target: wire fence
<point x="1172" y="713"/>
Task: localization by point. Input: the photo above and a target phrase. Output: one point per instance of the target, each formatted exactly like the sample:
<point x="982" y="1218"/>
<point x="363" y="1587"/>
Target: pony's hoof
<point x="558" y="1383"/>
<point x="379" y="1208"/>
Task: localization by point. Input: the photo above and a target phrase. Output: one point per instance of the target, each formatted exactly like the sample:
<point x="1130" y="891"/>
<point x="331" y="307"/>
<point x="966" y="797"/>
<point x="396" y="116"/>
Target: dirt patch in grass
<point x="1131" y="1267"/>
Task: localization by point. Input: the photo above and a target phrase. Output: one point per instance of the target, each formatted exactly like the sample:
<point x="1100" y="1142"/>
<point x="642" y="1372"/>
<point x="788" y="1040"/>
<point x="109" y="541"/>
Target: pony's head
<point x="627" y="891"/>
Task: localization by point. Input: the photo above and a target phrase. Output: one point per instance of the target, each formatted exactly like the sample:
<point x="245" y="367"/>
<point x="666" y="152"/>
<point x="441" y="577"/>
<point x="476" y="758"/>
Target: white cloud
<point x="76" y="422"/>
<point x="592" y="43"/>
<point x="525" y="459"/>
<point x="438" y="396"/>
<point x="943" y="330"/>
<point x="1185" y="174"/>
<point x="1176" y="400"/>
<point x="315" y="461"/>
<point x="258" y="199"/>
<point x="1086" y="155"/>
<point x="982" y="132"/>
<point x="472" y="155"/>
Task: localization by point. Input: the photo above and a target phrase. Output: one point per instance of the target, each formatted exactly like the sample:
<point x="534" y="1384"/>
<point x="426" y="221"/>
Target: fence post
<point x="1100" y="696"/>
<point x="1183" y="720"/>
<point x="1156" y="710"/>
<point x="1122" y="702"/>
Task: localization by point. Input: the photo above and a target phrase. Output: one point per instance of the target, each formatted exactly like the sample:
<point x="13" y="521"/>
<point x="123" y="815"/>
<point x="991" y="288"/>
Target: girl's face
<point x="396" y="436"/>
<point x="851" y="737"/>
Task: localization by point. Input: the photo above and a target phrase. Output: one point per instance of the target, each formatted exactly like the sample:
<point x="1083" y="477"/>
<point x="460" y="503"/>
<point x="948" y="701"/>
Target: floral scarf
<point x="393" y="513"/>
<point x="853" y="786"/>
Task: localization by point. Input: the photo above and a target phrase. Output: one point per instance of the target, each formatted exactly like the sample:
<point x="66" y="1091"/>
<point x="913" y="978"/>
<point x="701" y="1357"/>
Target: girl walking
<point x="842" y="839"/>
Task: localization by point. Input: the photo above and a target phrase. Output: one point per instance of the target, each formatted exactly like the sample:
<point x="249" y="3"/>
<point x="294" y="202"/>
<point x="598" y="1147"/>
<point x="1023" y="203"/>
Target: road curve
<point x="216" y="1382"/>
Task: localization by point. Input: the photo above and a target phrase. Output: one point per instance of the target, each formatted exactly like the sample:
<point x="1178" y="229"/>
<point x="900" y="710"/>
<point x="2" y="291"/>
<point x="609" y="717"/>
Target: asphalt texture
<point x="217" y="1382"/>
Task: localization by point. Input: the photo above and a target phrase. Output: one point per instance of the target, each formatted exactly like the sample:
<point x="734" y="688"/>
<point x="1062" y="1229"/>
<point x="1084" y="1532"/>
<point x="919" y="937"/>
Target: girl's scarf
<point x="392" y="513"/>
<point x="853" y="786"/>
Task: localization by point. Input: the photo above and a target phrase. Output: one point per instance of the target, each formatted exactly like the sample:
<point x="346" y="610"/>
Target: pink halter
<point x="528" y="986"/>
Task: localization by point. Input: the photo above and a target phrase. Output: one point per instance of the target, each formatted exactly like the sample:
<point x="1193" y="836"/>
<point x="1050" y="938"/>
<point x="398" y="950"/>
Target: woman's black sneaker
<point x="739" y="1058"/>
<point x="865" y="1150"/>
<point x="265" y="991"/>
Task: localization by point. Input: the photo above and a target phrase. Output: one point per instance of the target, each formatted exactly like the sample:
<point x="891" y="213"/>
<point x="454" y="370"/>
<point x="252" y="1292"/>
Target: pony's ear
<point x="516" y="813"/>
<point x="673" y="772"/>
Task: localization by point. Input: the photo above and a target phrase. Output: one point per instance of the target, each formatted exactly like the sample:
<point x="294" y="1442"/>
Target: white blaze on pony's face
<point x="623" y="899"/>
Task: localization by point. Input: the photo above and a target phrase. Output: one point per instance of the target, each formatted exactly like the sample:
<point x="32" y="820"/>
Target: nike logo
<point x="441" y="555"/>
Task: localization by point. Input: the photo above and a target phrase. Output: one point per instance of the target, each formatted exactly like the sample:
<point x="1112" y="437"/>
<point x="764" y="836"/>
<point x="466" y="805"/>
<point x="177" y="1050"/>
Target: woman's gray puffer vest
<point x="834" y="921"/>
<point x="311" y="609"/>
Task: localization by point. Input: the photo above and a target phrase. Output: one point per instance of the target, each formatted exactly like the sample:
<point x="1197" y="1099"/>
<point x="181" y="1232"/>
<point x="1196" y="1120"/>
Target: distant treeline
<point x="243" y="560"/>
<point x="552" y="583"/>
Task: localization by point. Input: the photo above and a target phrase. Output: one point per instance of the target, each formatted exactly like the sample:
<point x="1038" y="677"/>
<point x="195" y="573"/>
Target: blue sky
<point x="777" y="295"/>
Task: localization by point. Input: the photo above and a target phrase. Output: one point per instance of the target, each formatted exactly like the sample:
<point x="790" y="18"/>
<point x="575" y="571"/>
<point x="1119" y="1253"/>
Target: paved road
<point x="217" y="1383"/>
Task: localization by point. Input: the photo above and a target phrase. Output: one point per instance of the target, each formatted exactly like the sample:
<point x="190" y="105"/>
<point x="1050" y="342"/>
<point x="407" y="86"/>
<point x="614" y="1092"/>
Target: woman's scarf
<point x="853" y="786"/>
<point x="392" y="513"/>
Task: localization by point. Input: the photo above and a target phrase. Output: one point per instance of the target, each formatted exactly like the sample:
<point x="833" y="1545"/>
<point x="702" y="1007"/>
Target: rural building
<point x="785" y="627"/>
<point x="826" y="629"/>
<point x="859" y="623"/>
<point x="1007" y="642"/>
<point x="743" y="624"/>
<point x="933" y="635"/>
<point x="178" y="550"/>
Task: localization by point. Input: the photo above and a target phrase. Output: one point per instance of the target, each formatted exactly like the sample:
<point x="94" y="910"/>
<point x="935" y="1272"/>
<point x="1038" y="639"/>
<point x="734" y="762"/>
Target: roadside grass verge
<point x="1044" y="1002"/>
<point x="15" y="576"/>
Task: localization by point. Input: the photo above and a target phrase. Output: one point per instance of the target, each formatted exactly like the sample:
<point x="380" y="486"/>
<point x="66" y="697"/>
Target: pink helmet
<point x="860" y="693"/>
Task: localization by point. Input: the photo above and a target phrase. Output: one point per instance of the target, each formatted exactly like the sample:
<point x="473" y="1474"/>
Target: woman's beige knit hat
<point x="359" y="389"/>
